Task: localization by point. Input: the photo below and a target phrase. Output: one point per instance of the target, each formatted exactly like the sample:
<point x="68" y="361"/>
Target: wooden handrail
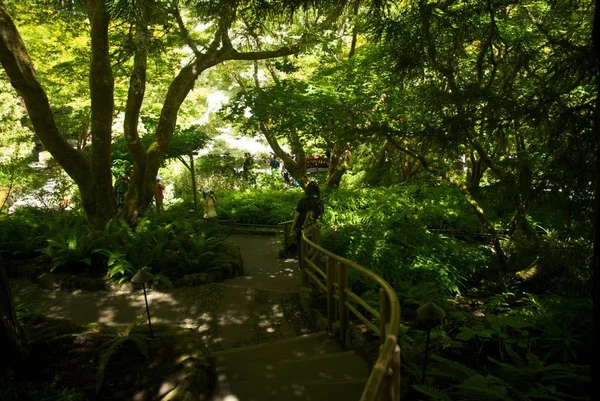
<point x="384" y="381"/>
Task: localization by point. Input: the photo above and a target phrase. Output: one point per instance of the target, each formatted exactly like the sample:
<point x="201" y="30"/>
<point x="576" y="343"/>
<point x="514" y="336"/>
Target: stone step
<point x="292" y="389"/>
<point x="338" y="366"/>
<point x="305" y="346"/>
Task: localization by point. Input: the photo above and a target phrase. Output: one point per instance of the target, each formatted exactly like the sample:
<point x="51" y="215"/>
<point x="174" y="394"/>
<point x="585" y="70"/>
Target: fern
<point x="456" y="367"/>
<point x="434" y="393"/>
<point x="111" y="346"/>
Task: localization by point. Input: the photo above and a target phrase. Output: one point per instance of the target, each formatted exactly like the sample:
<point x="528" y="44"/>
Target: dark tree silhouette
<point x="13" y="350"/>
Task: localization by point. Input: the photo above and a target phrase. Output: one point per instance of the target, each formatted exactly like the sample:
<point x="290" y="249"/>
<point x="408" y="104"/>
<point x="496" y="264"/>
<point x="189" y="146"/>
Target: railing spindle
<point x="395" y="380"/>
<point x="344" y="313"/>
<point x="384" y="313"/>
<point x="386" y="384"/>
<point x="303" y="265"/>
<point x="331" y="307"/>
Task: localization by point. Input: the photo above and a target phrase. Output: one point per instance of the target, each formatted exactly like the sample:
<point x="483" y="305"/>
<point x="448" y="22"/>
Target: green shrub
<point x="264" y="206"/>
<point x="24" y="232"/>
<point x="383" y="230"/>
<point x="170" y="244"/>
<point x="527" y="378"/>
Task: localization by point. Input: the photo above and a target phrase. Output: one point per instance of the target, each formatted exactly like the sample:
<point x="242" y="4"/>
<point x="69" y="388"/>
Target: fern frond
<point x="434" y="393"/>
<point x="456" y="366"/>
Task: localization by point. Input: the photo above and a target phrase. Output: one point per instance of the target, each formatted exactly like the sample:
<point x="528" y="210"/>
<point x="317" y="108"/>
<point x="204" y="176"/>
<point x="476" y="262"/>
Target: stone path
<point x="265" y="348"/>
<point x="261" y="306"/>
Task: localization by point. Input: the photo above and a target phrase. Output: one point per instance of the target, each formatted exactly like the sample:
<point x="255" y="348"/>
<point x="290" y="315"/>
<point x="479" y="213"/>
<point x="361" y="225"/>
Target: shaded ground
<point x="253" y="325"/>
<point x="261" y="306"/>
<point x="69" y="360"/>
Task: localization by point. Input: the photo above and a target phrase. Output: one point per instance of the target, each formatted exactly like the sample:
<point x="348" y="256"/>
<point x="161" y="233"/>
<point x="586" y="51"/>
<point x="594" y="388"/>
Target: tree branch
<point x="21" y="72"/>
<point x="184" y="32"/>
<point x="266" y="54"/>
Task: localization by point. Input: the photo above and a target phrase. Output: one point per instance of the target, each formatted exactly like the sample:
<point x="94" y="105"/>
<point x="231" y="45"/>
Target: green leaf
<point x="466" y="334"/>
<point x="105" y="358"/>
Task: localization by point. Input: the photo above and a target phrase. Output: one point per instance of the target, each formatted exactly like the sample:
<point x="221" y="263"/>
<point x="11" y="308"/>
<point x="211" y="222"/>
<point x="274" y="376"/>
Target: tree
<point x="286" y="109"/>
<point x="91" y="171"/>
<point x="14" y="355"/>
<point x="596" y="259"/>
<point x="478" y="90"/>
<point x="300" y="114"/>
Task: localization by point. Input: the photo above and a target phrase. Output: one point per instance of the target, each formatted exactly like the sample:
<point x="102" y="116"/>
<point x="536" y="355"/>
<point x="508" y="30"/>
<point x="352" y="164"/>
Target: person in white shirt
<point x="209" y="203"/>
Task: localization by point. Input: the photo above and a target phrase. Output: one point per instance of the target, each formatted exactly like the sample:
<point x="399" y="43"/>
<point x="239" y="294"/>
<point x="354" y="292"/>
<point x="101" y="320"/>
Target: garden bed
<point x="106" y="363"/>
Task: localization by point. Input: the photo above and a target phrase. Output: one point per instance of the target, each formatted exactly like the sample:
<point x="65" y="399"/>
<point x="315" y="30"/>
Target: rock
<point x="231" y="258"/>
<point x="194" y="279"/>
<point x="306" y="300"/>
<point x="126" y="287"/>
<point x="75" y="282"/>
<point x="321" y="321"/>
<point x="46" y="281"/>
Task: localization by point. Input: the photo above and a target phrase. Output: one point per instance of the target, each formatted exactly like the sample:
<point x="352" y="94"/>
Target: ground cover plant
<point x="169" y="246"/>
<point x="95" y="362"/>
<point x="263" y="206"/>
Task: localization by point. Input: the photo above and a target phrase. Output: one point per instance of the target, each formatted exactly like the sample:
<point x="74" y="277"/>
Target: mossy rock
<point x="195" y="279"/>
<point x="230" y="259"/>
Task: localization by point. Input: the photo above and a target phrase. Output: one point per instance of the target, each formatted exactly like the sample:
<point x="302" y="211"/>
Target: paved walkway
<point x="264" y="347"/>
<point x="261" y="306"/>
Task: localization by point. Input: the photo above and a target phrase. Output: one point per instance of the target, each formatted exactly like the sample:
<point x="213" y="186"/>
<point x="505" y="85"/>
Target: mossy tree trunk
<point x="338" y="164"/>
<point x="91" y="174"/>
<point x="596" y="259"/>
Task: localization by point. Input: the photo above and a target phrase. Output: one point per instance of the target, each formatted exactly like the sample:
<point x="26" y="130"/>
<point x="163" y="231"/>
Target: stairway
<point x="309" y="367"/>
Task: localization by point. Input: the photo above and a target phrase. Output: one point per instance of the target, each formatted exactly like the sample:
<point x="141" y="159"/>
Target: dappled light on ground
<point x="260" y="306"/>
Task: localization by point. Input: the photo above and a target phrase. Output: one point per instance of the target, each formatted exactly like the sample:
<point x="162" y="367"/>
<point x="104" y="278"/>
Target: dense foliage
<point x="168" y="245"/>
<point x="458" y="136"/>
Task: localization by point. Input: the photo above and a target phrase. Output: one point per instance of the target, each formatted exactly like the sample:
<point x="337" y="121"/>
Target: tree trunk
<point x="596" y="259"/>
<point x="476" y="167"/>
<point x="102" y="96"/>
<point x="135" y="97"/>
<point x="14" y="355"/>
<point x="338" y="164"/>
<point x="94" y="182"/>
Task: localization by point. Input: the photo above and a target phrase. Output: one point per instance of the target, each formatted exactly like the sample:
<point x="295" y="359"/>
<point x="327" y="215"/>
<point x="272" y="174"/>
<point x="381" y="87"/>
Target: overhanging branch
<point x="184" y="32"/>
<point x="266" y="54"/>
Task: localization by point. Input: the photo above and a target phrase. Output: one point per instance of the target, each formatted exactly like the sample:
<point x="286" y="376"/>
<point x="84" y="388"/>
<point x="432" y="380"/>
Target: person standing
<point x="247" y="167"/>
<point x="309" y="209"/>
<point x="160" y="195"/>
<point x="209" y="204"/>
<point x="120" y="190"/>
<point x="274" y="163"/>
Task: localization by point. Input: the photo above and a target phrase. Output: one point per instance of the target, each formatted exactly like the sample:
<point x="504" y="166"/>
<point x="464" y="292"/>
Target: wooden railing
<point x="384" y="381"/>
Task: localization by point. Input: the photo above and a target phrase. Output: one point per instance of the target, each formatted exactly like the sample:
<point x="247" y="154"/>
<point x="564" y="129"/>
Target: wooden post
<point x="344" y="312"/>
<point x="384" y="313"/>
<point x="331" y="309"/>
<point x="303" y="265"/>
<point x="192" y="170"/>
<point x="389" y="389"/>
<point x="386" y="383"/>
<point x="286" y="237"/>
<point x="395" y="379"/>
